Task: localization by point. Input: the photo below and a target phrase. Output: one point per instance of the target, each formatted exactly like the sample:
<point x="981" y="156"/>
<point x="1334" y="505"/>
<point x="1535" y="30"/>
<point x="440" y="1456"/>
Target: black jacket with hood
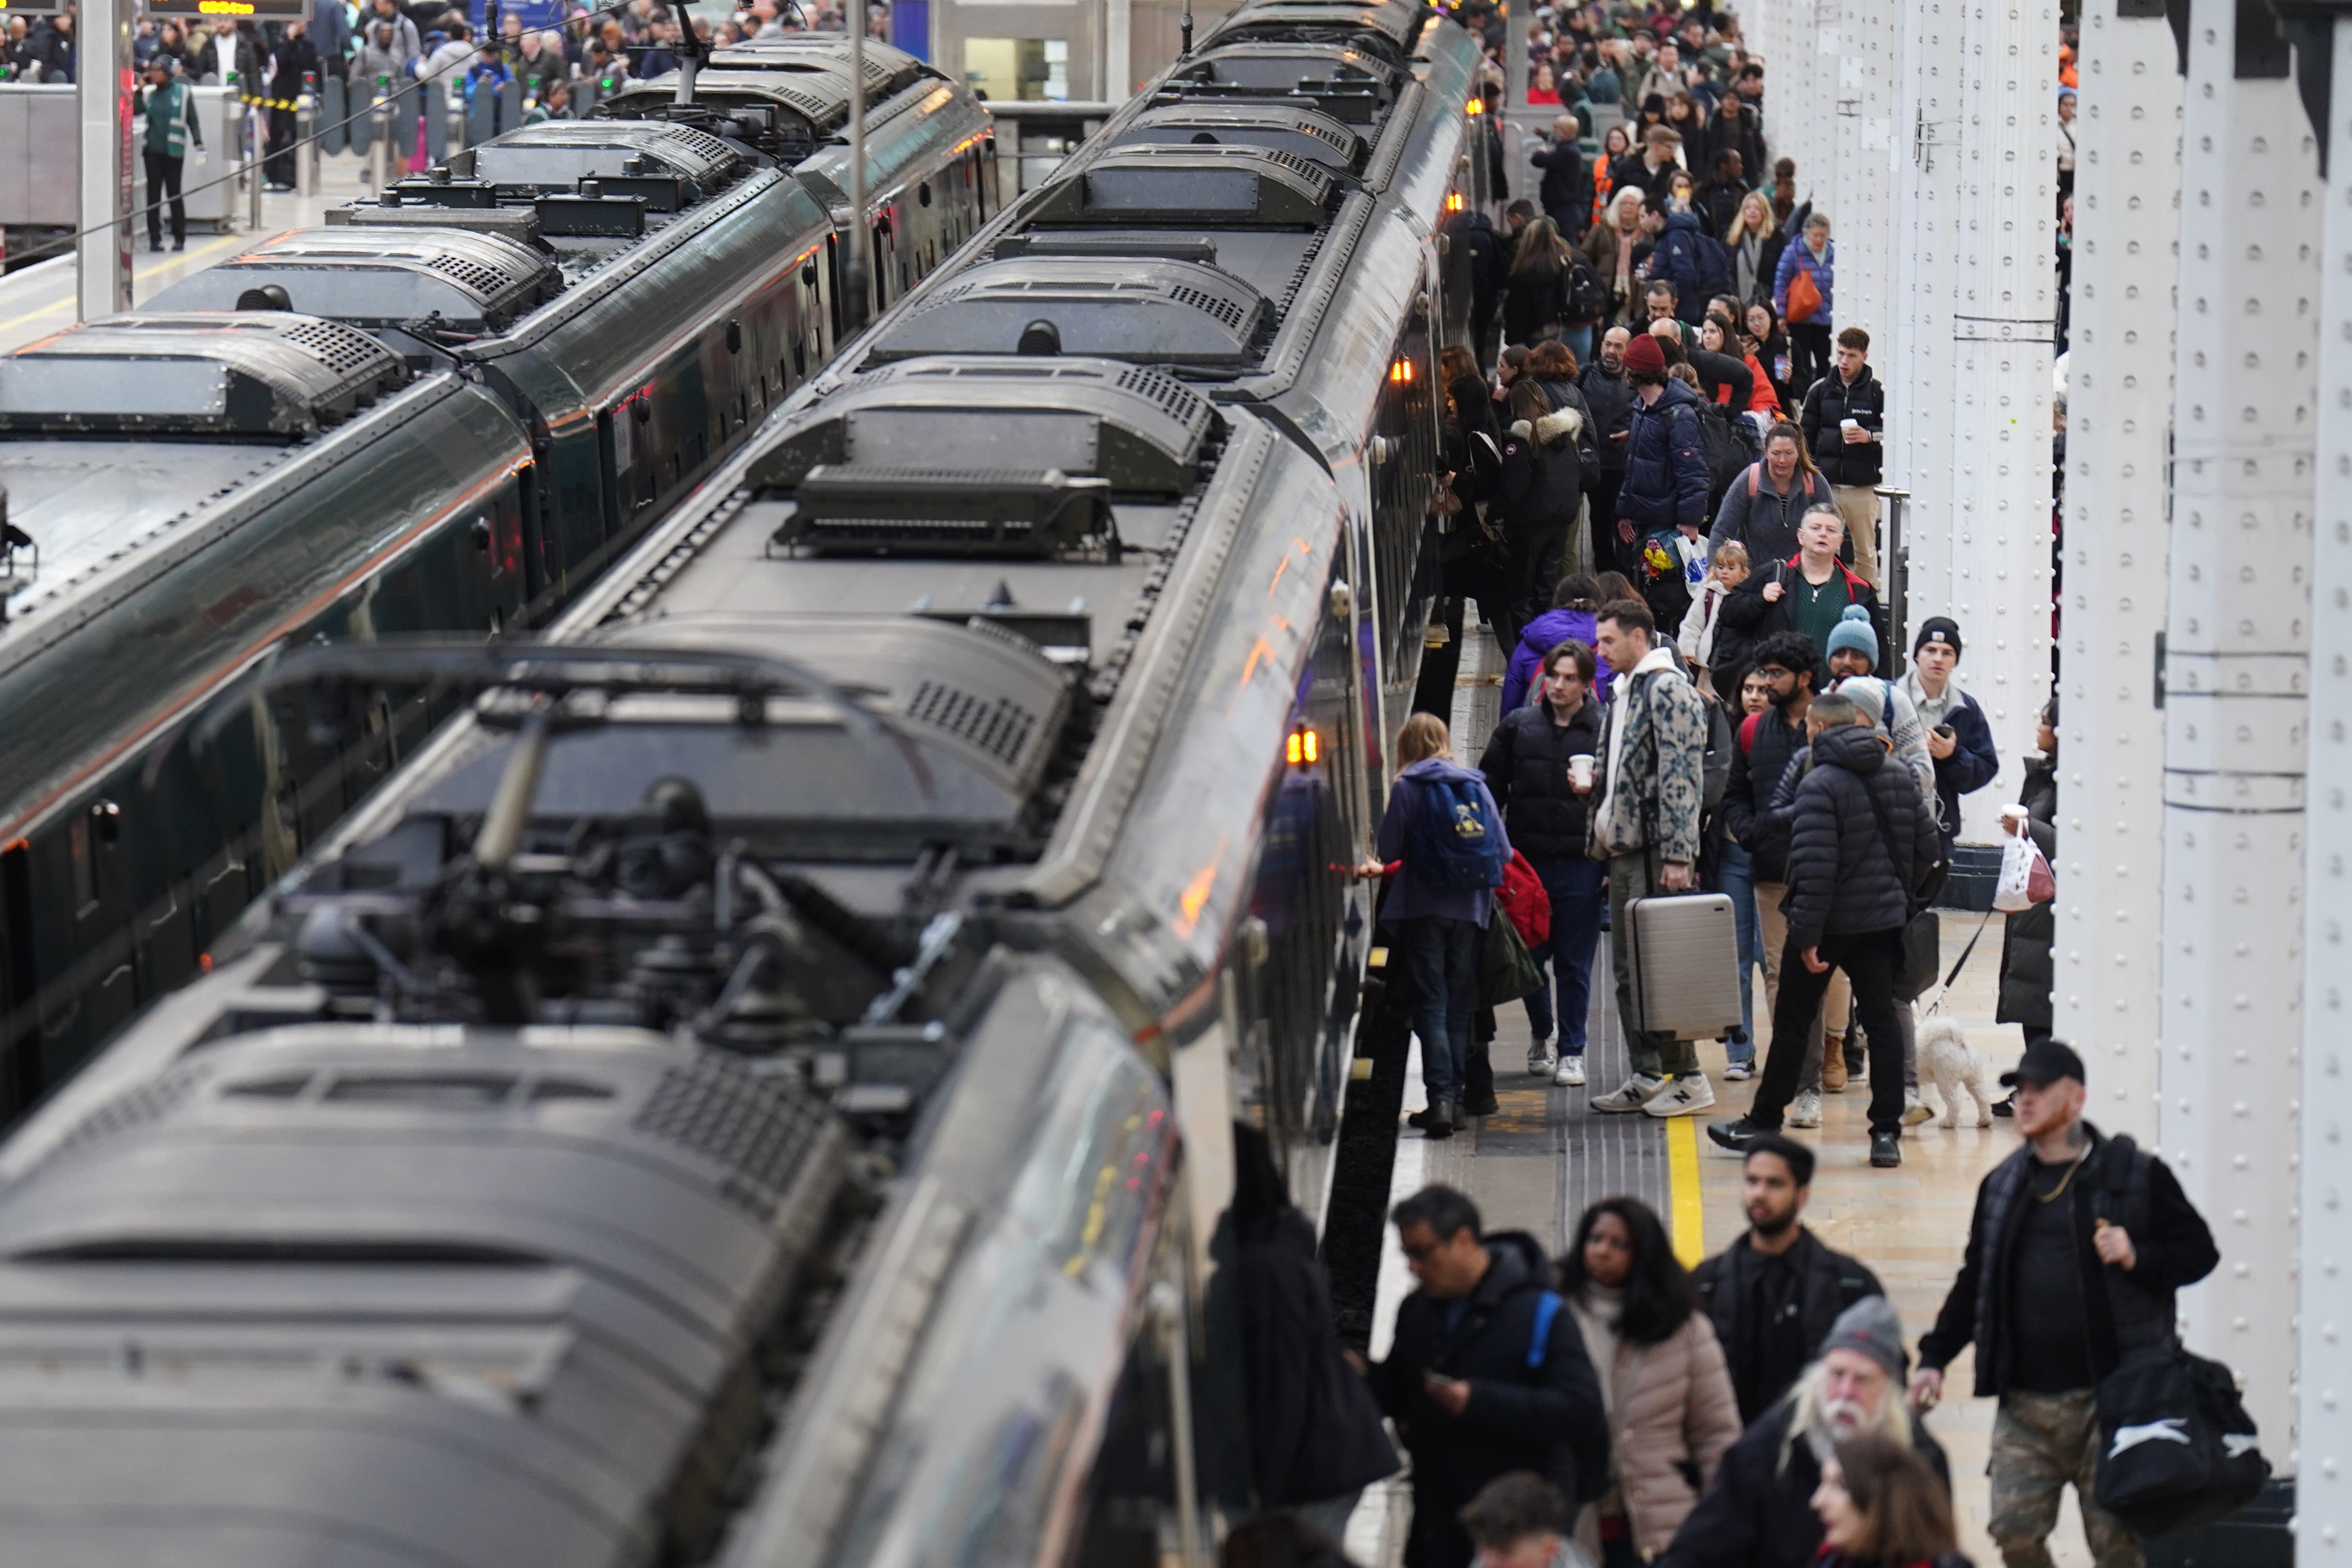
<point x="1829" y="1282"/>
<point x="1546" y="1417"/>
<point x="1314" y="1430"/>
<point x="1829" y="404"/>
<point x="1844" y="877"/>
<point x="1542" y="475"/>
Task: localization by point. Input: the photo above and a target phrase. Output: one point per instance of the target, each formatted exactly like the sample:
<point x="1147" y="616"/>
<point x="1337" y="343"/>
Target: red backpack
<point x="1525" y="902"/>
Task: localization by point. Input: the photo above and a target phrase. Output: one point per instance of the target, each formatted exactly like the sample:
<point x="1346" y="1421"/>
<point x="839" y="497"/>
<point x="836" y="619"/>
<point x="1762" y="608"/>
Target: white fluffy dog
<point x="1946" y="1057"/>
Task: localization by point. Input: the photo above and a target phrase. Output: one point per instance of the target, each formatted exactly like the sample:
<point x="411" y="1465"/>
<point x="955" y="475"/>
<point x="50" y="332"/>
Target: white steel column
<point x="1865" y="217"/>
<point x="2236" y="635"/>
<point x="2003" y="318"/>
<point x="102" y="94"/>
<point x="2119" y="419"/>
<point x="2323" y="1505"/>
<point x="1915" y="358"/>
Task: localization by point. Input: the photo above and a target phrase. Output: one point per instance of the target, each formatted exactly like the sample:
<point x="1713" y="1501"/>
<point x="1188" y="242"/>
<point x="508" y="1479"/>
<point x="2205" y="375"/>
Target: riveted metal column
<point x="2004" y="307"/>
<point x="103" y="91"/>
<point x="1915" y="355"/>
<point x="1864" y="121"/>
<point x="2236" y="634"/>
<point x="2119" y="422"/>
<point x="2322" y="1486"/>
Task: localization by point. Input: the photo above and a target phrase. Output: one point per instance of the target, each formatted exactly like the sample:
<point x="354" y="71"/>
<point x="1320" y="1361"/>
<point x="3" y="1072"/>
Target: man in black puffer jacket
<point x="1486" y="1374"/>
<point x="1860" y="838"/>
<point x="1529" y="773"/>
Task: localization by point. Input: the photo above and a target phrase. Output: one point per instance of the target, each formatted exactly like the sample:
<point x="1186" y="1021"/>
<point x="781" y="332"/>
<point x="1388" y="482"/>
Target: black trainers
<point x="2005" y="1105"/>
<point x="1420" y="1120"/>
<point x="1481" y="1105"/>
<point x="1737" y="1135"/>
<point x="1886" y="1151"/>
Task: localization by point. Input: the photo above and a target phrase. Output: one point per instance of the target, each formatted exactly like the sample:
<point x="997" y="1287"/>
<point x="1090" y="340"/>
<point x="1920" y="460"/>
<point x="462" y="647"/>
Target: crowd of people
<point x="1607" y="1407"/>
<point x="379" y="48"/>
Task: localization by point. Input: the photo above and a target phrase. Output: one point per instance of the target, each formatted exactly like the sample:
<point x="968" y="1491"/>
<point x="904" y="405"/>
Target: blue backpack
<point x="1590" y="1448"/>
<point x="1455" y="841"/>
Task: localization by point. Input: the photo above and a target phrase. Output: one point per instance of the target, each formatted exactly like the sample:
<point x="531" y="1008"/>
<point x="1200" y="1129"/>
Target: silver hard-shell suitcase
<point x="1686" y="964"/>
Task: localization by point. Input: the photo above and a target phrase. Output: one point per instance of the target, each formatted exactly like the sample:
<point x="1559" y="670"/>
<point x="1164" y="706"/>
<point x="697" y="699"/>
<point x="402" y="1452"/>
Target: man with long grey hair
<point x="1757" y="1514"/>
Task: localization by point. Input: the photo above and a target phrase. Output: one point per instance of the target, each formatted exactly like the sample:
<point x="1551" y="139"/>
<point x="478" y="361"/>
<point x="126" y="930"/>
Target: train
<point x="445" y="410"/>
<point x="760" y="1086"/>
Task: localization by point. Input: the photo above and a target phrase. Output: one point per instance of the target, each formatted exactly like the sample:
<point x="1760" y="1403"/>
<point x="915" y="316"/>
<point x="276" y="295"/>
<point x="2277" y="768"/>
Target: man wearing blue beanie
<point x="1854" y="633"/>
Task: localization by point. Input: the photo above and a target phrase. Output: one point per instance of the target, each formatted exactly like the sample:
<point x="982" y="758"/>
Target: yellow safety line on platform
<point x="1688" y="1217"/>
<point x="138" y="273"/>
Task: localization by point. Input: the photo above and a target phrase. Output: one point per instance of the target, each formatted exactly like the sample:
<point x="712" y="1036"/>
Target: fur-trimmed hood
<point x="1560" y="424"/>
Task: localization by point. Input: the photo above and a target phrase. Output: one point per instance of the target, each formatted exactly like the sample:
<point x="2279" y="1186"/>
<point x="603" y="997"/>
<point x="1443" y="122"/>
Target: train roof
<point x="372" y="276"/>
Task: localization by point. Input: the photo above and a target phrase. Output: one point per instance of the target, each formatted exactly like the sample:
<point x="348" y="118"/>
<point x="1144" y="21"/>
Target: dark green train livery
<point x="443" y="411"/>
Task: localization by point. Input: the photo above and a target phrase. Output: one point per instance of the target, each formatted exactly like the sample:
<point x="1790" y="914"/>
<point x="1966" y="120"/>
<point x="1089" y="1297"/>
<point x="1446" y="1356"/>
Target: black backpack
<point x="1587" y="300"/>
<point x="1729" y="442"/>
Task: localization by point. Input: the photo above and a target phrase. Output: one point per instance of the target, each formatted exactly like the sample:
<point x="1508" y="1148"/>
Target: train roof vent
<point x="888" y="70"/>
<point x="1302" y="132"/>
<point x="559" y="153"/>
<point x="823" y="101"/>
<point x="374" y="278"/>
<point x="1137" y="429"/>
<point x="1195" y="186"/>
<point x="1280" y="66"/>
<point x="1389" y="27"/>
<point x="249" y="373"/>
<point x="1173" y="312"/>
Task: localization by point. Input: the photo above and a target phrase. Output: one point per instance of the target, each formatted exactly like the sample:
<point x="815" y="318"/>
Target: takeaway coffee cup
<point x="1580" y="770"/>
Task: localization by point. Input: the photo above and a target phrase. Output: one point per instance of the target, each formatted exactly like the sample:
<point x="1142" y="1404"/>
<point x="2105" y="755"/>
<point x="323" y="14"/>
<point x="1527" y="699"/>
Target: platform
<point x="1543" y="1158"/>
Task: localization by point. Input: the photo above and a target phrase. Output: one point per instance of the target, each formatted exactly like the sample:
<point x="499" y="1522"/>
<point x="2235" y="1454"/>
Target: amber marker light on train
<point x="1303" y="749"/>
<point x="1454" y="201"/>
<point x="1400" y="372"/>
<point x="1476" y="106"/>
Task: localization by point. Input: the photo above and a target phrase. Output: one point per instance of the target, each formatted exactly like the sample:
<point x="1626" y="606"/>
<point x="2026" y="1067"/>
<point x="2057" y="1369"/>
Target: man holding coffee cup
<point x="1844" y="413"/>
<point x="1540" y="768"/>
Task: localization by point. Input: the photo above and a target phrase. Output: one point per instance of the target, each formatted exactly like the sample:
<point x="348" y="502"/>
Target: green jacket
<point x="171" y="111"/>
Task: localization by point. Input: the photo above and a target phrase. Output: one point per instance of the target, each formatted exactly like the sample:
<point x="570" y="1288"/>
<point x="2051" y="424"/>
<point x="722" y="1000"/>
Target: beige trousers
<point x="1837" y="1006"/>
<point x="1858" y="504"/>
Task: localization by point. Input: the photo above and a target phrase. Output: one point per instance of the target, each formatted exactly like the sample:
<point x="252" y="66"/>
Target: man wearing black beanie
<point x="1960" y="741"/>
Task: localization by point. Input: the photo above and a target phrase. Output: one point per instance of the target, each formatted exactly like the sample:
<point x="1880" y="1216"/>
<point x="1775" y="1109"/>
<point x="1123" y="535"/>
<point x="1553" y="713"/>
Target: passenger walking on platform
<point x="1540" y="766"/>
<point x="1665" y="486"/>
<point x="1845" y="416"/>
<point x="1757" y="1512"/>
<point x="1882" y="1507"/>
<point x="2078" y="1242"/>
<point x="1697" y="638"/>
<point x="1776" y="1291"/>
<point x="1536" y="504"/>
<point x="1315" y="1437"/>
<point x="1754" y="244"/>
<point x="1860" y="840"/>
<point x="1534" y="293"/>
<point x="171" y="110"/>
<point x="1764" y="505"/>
<point x="1611" y="398"/>
<point x="1959" y="740"/>
<point x="1670" y="1410"/>
<point x="1808" y="591"/>
<point x="1438" y="812"/>
<point x="1652" y="789"/>
<point x="1486" y="1373"/>
<point x="1814" y="255"/>
<point x="1611" y="247"/>
<point x="1566" y="192"/>
<point x="1574" y="599"/>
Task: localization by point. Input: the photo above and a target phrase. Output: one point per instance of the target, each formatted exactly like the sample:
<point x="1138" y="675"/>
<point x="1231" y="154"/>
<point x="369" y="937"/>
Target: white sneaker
<point x="1739" y="1072"/>
<point x="1540" y="1059"/>
<point x="1807" y="1112"/>
<point x="1687" y="1094"/>
<point x="1637" y="1092"/>
<point x="1915" y="1110"/>
<point x="1571" y="1074"/>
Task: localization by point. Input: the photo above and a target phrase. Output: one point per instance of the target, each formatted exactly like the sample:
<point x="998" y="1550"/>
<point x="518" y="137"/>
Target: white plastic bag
<point x="2010" y="895"/>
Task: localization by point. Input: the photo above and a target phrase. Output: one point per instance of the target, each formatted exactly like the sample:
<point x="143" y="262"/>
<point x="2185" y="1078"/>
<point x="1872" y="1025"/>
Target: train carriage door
<point x="20" y="1069"/>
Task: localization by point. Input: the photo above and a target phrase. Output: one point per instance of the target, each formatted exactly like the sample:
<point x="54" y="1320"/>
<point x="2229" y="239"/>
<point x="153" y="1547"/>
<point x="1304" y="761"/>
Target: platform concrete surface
<point x="38" y="300"/>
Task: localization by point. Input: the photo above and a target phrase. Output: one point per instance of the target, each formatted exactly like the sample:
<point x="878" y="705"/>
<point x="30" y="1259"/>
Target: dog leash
<point x="1957" y="964"/>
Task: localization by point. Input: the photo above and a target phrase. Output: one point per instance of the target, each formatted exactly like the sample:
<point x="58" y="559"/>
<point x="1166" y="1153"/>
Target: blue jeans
<point x="1573" y="884"/>
<point x="1580" y="343"/>
<point x="1441" y="961"/>
<point x="1738" y="879"/>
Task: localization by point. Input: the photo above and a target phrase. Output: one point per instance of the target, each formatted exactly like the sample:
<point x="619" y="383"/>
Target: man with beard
<point x="1757" y="1512"/>
<point x="1611" y="397"/>
<point x="1776" y="1291"/>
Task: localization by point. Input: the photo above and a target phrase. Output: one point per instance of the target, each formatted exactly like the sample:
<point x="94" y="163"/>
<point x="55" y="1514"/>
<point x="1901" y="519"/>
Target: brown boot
<point x="1833" y="1063"/>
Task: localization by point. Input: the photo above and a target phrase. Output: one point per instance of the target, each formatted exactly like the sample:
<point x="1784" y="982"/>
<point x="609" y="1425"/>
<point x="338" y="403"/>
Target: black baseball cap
<point x="2044" y="1063"/>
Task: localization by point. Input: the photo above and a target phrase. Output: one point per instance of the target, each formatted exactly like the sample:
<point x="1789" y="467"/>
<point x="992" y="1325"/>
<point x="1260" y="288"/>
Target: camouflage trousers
<point x="2041" y="1443"/>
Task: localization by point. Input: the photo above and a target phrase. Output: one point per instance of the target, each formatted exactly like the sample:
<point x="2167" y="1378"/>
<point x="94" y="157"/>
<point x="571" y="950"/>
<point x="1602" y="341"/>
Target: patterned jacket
<point x="1660" y="784"/>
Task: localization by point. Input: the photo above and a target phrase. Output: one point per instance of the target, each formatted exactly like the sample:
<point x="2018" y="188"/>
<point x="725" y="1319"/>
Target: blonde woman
<point x="1754" y="242"/>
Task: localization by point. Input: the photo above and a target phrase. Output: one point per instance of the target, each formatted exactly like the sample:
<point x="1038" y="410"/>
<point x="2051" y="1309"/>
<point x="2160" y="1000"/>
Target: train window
<point x="85" y="868"/>
<point x="923" y="192"/>
<point x="800" y="360"/>
<point x="734" y="337"/>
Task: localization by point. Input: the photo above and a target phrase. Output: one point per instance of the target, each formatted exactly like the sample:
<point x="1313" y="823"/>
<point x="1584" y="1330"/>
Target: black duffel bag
<point x="2177" y="1449"/>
